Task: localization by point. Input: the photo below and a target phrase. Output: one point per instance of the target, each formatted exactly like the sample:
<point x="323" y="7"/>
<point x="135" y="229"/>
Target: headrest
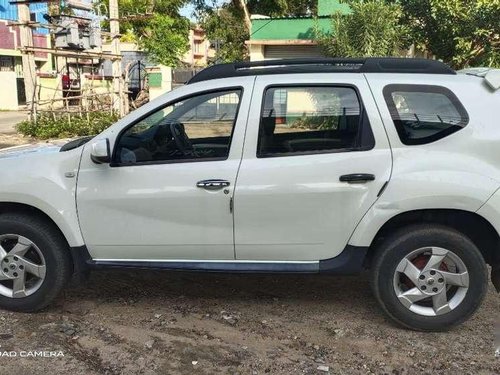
<point x="269" y="124"/>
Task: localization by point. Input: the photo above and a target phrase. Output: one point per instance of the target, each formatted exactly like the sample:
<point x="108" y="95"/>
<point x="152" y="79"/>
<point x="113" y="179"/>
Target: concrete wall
<point x="8" y="94"/>
<point x="256" y="52"/>
<point x="166" y="81"/>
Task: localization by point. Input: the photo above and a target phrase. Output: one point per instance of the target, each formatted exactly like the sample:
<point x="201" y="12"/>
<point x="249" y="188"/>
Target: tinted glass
<point x="299" y="120"/>
<point x="196" y="128"/>
<point x="423" y="114"/>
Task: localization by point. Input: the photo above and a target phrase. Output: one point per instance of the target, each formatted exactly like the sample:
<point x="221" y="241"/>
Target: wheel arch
<point x="477" y="228"/>
<point x="15" y="207"/>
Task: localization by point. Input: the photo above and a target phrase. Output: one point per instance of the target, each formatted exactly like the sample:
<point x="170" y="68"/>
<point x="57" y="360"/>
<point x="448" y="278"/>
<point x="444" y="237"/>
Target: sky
<point x="187" y="11"/>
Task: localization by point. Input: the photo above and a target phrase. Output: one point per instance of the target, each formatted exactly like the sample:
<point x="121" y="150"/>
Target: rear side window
<point x="424" y="113"/>
<point x="309" y="120"/>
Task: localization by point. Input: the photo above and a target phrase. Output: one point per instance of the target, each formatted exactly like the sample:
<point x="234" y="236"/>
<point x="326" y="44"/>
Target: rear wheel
<point x="35" y="262"/>
<point x="429" y="277"/>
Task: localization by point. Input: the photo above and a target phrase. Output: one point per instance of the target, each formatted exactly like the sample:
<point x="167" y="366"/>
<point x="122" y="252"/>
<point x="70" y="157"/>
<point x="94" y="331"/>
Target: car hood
<point x="24" y="150"/>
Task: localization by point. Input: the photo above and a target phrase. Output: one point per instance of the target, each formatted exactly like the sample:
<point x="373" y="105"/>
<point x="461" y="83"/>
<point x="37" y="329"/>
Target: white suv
<point x="305" y="166"/>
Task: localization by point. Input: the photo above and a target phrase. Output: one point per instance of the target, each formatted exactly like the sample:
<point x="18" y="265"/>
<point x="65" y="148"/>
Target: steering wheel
<point x="181" y="139"/>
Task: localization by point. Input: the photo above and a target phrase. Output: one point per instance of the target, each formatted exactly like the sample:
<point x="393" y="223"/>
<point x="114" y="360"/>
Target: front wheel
<point x="35" y="263"/>
<point x="429" y="277"/>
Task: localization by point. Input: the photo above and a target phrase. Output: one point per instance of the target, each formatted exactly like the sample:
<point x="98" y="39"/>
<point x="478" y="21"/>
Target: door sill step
<point x="348" y="262"/>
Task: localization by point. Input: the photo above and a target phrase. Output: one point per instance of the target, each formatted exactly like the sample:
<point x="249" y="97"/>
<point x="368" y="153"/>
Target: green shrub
<point x="61" y="127"/>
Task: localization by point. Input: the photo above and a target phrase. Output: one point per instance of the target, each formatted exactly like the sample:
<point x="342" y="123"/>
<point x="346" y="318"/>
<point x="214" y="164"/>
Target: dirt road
<point x="9" y="140"/>
<point x="143" y="322"/>
<point x="9" y="119"/>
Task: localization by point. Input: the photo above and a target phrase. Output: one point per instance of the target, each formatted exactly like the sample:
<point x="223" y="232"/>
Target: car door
<point x="316" y="157"/>
<point x="166" y="194"/>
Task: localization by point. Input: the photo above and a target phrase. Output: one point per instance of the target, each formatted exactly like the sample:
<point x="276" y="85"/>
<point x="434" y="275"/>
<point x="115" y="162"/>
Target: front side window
<point x="424" y="113"/>
<point x="308" y="120"/>
<point x="194" y="129"/>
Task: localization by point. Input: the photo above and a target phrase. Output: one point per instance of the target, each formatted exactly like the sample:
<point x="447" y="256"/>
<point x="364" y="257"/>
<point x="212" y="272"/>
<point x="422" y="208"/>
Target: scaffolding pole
<point x="118" y="89"/>
<point x="28" y="57"/>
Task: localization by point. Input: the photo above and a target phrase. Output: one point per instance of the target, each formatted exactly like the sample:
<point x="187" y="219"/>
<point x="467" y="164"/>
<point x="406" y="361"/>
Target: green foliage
<point x="165" y="39"/>
<point x="225" y="28"/>
<point x="315" y="123"/>
<point x="47" y="127"/>
<point x="138" y="7"/>
<point x="460" y="32"/>
<point x="156" y="26"/>
<point x="372" y="29"/>
<point x="225" y="24"/>
<point x="272" y="8"/>
<point x="282" y="8"/>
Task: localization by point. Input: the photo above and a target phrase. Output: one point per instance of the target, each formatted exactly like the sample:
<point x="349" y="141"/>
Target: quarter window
<point x="423" y="113"/>
<point x="308" y="120"/>
<point x="194" y="129"/>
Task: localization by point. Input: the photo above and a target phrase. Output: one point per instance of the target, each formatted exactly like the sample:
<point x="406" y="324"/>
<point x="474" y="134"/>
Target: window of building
<point x="193" y="129"/>
<point x="196" y="47"/>
<point x="424" y="113"/>
<point x="305" y="120"/>
<point x="6" y="64"/>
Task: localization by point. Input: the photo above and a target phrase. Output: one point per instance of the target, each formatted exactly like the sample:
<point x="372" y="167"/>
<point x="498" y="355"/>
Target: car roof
<point x="323" y="65"/>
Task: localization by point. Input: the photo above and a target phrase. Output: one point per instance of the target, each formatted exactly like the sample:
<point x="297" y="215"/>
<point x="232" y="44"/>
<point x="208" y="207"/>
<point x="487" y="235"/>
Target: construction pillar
<point x="28" y="56"/>
<point x="118" y="87"/>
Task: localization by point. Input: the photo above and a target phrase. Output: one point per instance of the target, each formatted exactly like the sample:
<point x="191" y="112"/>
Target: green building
<point x="274" y="38"/>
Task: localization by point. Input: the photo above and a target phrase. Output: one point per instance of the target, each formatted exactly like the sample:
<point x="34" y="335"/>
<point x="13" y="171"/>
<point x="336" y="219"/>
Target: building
<point x="161" y="79"/>
<point x="200" y="50"/>
<point x="11" y="72"/>
<point x="277" y="38"/>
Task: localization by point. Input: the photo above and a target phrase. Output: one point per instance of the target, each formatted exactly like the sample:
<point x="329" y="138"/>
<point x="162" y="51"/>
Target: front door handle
<point x="214" y="184"/>
<point x="358" y="178"/>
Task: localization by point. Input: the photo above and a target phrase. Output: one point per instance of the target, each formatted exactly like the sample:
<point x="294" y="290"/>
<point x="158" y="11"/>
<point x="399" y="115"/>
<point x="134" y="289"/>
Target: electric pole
<point x="28" y="55"/>
<point x="118" y="87"/>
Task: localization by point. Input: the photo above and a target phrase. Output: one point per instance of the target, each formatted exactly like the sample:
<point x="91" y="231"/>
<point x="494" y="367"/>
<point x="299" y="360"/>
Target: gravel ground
<point x="143" y="322"/>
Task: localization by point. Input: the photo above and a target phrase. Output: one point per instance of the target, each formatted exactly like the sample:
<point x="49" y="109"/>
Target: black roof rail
<point x="323" y="65"/>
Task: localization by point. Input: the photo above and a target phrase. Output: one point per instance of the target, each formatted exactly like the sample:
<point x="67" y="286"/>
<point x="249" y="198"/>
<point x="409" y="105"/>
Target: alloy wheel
<point x="22" y="266"/>
<point x="431" y="281"/>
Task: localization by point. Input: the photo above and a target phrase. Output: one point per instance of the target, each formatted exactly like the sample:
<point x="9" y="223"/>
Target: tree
<point x="459" y="32"/>
<point x="157" y="27"/>
<point x="225" y="29"/>
<point x="228" y="25"/>
<point x="165" y="39"/>
<point x="271" y="8"/>
<point x="372" y="29"/>
<point x="283" y="8"/>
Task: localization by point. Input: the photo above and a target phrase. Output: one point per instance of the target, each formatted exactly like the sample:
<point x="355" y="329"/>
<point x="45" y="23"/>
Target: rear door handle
<point x="214" y="184"/>
<point x="357" y="178"/>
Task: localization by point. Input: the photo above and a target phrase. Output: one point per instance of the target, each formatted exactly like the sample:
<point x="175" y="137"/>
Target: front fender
<point x="46" y="182"/>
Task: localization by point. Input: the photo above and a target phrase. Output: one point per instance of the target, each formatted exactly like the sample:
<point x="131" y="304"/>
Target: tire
<point x="49" y="249"/>
<point x="397" y="253"/>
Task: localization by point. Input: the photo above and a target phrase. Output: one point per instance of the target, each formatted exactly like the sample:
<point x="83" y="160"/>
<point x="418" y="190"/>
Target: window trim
<point x="388" y="90"/>
<point x="364" y="122"/>
<point x="114" y="163"/>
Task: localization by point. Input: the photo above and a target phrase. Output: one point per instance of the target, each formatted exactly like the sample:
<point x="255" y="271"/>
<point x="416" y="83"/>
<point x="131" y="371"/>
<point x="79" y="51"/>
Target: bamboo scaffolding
<point x="84" y="100"/>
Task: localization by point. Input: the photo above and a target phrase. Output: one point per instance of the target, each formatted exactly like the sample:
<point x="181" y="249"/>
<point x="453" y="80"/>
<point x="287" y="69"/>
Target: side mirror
<point x="493" y="79"/>
<point x="101" y="152"/>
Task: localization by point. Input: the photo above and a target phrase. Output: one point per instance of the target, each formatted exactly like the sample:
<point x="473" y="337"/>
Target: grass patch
<point x="61" y="127"/>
